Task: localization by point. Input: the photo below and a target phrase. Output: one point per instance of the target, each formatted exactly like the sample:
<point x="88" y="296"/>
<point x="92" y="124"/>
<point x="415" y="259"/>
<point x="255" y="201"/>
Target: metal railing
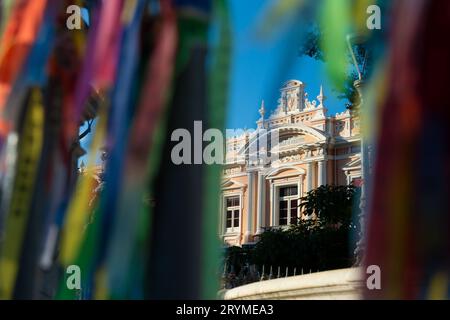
<point x="252" y="273"/>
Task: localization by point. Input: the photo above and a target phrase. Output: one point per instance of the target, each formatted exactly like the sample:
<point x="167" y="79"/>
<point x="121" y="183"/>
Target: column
<point x="261" y="206"/>
<point x="322" y="175"/>
<point x="248" y="231"/>
<point x="309" y="177"/>
<point x="300" y="194"/>
<point x="222" y="228"/>
<point x="272" y="204"/>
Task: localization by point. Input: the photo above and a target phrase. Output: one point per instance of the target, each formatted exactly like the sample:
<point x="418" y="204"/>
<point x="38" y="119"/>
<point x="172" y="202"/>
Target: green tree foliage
<point x="330" y="204"/>
<point x="236" y="258"/>
<point x="306" y="246"/>
<point x="310" y="46"/>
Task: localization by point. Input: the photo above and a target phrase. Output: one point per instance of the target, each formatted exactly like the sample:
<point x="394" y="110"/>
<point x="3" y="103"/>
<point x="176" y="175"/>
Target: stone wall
<point x="342" y="284"/>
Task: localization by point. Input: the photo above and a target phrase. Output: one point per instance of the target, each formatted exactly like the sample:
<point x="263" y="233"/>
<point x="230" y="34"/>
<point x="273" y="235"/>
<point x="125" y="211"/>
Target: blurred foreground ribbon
<point x="30" y="145"/>
<point x="409" y="217"/>
<point x="20" y="33"/>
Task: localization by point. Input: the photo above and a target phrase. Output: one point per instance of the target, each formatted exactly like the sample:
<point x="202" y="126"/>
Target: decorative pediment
<point x="352" y="164"/>
<point x="276" y="172"/>
<point x="291" y="98"/>
<point x="232" y="184"/>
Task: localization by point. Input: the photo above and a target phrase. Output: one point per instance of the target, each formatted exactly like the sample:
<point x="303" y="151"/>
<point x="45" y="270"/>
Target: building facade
<point x="311" y="149"/>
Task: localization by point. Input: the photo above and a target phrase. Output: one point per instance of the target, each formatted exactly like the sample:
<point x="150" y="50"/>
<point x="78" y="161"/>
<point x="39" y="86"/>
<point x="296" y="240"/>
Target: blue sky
<point x="259" y="67"/>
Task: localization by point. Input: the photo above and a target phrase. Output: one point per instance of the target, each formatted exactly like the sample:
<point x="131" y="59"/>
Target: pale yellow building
<point x="311" y="149"/>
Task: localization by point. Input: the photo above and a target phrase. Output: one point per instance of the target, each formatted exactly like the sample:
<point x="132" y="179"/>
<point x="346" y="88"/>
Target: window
<point x="288" y="205"/>
<point x="355" y="149"/>
<point x="232" y="210"/>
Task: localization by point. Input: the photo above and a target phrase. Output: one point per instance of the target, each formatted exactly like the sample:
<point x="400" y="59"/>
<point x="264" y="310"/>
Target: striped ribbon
<point x="30" y="145"/>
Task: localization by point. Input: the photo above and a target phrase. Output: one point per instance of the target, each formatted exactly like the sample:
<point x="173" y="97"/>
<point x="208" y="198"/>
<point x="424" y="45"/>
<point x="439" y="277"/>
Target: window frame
<point x="236" y="208"/>
<point x="289" y="199"/>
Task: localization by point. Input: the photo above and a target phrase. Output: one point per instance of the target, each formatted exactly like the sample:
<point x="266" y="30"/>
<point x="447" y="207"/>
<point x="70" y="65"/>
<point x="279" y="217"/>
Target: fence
<point x="251" y="273"/>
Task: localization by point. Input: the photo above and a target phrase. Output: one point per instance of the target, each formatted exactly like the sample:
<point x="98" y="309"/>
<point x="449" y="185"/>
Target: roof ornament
<point x="262" y="110"/>
<point x="321" y="98"/>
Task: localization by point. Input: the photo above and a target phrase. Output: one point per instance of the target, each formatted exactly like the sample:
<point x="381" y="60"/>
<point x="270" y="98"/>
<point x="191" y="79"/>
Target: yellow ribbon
<point x="438" y="287"/>
<point x="29" y="152"/>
